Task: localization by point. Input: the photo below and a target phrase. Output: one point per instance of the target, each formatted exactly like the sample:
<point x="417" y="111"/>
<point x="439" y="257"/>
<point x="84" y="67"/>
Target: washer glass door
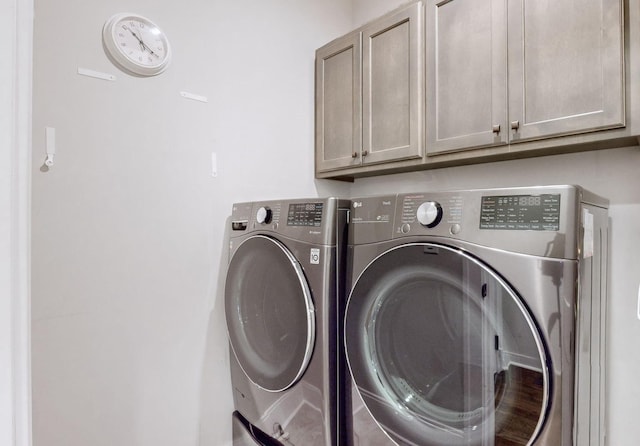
<point x="443" y="351"/>
<point x="270" y="314"/>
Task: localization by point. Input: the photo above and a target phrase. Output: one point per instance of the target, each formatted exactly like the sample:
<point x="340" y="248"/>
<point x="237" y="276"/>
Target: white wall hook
<point x="50" y="145"/>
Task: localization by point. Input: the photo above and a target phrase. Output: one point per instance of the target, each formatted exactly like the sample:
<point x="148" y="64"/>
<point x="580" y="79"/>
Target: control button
<point x="405" y="228"/>
<point x="263" y="215"/>
<point x="455" y="229"/>
<point x="429" y="214"/>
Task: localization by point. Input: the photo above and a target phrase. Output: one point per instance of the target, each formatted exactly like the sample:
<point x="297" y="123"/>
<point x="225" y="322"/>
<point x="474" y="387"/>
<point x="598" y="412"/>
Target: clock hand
<point x="132" y="33"/>
<point x="140" y="42"/>
<point x="143" y="46"/>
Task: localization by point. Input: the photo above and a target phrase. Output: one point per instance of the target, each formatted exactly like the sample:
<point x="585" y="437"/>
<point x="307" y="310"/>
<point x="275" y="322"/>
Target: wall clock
<point x="136" y="45"/>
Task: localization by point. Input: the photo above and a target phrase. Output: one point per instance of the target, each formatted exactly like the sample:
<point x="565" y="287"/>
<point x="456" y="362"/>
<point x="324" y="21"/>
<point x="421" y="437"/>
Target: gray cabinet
<point x="339" y="104"/>
<point x="565" y="67"/>
<point x="370" y="93"/>
<point x="466" y="74"/>
<point x="534" y="70"/>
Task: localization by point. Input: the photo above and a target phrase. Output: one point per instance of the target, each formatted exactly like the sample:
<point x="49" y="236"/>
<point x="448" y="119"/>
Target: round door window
<point x="442" y="351"/>
<point x="269" y="312"/>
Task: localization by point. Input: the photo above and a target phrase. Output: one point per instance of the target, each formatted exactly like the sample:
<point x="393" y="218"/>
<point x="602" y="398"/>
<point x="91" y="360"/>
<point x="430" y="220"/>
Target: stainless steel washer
<point x="284" y="303"/>
<point x="478" y="318"/>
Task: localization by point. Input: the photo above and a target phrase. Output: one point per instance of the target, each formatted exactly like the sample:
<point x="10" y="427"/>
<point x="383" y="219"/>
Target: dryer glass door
<point x="270" y="314"/>
<point x="443" y="351"/>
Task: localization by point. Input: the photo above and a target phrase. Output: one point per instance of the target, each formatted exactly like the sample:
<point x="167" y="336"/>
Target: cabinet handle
<point x="354" y="155"/>
<point x="365" y="152"/>
<point x="496" y="128"/>
<point x="515" y="125"/>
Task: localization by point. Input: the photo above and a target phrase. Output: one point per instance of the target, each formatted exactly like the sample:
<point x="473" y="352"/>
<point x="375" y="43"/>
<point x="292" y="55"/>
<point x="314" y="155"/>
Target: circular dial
<point x="429" y="214"/>
<point x="264" y="215"/>
<point x="136" y="44"/>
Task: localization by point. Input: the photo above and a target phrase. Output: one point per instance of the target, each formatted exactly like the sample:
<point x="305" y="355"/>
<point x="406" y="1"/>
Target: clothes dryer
<point x="478" y="318"/>
<point x="284" y="304"/>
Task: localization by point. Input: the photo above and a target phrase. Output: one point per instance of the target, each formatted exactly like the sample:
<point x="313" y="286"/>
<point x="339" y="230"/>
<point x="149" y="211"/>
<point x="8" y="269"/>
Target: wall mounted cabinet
<point x="339" y="103"/>
<point x="497" y="79"/>
<point x="370" y="93"/>
<point x="466" y="74"/>
<point x="532" y="70"/>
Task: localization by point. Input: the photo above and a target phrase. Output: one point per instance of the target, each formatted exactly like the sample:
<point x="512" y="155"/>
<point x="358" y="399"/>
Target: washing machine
<point x="478" y="317"/>
<point x="284" y="305"/>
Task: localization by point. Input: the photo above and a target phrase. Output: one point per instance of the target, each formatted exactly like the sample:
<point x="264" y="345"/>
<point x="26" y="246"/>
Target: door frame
<point x="16" y="45"/>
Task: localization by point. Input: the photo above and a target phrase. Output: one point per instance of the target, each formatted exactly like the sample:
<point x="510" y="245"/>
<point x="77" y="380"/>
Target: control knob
<point x="429" y="214"/>
<point x="264" y="215"/>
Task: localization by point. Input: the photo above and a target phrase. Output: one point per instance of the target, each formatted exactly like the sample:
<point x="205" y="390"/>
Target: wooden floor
<point x="519" y="398"/>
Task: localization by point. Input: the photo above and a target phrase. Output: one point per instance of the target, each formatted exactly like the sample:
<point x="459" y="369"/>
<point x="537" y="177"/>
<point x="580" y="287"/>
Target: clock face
<point x="136" y="44"/>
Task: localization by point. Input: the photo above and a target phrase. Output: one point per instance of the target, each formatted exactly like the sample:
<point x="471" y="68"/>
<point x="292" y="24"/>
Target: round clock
<point x="136" y="45"/>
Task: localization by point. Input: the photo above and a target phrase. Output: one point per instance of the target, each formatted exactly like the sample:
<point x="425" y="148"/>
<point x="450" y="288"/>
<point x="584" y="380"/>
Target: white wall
<point x="128" y="224"/>
<point x="366" y="10"/>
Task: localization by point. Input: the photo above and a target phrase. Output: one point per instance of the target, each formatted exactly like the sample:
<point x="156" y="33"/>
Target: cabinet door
<point x="393" y="92"/>
<point x="339" y="104"/>
<point x="565" y="67"/>
<point x="466" y="74"/>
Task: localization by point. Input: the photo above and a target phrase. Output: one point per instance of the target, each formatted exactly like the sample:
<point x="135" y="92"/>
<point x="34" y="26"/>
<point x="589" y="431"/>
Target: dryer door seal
<point x="442" y="350"/>
<point x="270" y="313"/>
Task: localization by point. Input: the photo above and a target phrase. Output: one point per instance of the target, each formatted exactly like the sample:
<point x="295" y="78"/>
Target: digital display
<point x="521" y="212"/>
<point x="530" y="201"/>
<point x="305" y="214"/>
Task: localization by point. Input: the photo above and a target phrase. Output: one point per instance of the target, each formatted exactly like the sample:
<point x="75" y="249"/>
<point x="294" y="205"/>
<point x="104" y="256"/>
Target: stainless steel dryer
<point x="284" y="303"/>
<point x="478" y="318"/>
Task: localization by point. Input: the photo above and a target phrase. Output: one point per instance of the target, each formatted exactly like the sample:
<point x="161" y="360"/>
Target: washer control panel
<point x="520" y="212"/>
<point x="305" y="214"/>
<point x="308" y="214"/>
<point x="497" y="217"/>
<point x="313" y="220"/>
